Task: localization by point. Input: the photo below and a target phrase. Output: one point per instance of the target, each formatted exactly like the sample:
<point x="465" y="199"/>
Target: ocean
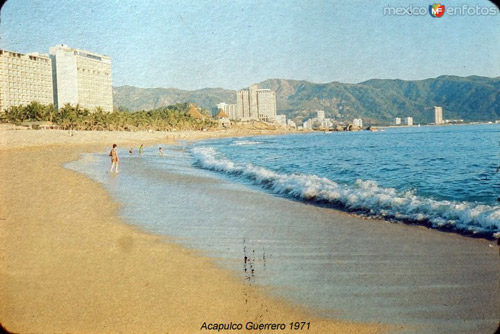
<point x="442" y="177"/>
<point x="265" y="208"/>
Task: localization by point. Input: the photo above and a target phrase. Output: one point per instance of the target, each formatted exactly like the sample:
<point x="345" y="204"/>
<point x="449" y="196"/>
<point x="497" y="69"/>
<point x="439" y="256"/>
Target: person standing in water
<point x="141" y="148"/>
<point x="160" y="151"/>
<point x="114" y="159"/>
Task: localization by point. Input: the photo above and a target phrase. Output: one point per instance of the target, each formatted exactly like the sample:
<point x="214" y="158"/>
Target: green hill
<point x="377" y="101"/>
<point x="133" y="98"/>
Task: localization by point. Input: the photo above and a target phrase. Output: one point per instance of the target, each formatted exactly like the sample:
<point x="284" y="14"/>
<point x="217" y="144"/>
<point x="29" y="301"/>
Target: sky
<point x="232" y="44"/>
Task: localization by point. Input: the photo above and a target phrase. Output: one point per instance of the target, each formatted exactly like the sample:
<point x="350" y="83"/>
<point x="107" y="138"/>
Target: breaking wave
<point x="364" y="197"/>
<point x="245" y="142"/>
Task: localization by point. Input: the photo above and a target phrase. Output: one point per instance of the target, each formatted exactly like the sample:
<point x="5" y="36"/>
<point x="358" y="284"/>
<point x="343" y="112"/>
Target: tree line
<point x="181" y="116"/>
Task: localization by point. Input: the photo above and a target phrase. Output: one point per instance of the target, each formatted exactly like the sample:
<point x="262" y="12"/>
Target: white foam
<point x="365" y="197"/>
<point x="245" y="142"/>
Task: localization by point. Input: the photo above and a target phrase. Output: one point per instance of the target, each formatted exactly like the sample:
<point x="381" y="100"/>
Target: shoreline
<point x="13" y="138"/>
<point x="125" y="279"/>
<point x="69" y="264"/>
<point x="395" y="249"/>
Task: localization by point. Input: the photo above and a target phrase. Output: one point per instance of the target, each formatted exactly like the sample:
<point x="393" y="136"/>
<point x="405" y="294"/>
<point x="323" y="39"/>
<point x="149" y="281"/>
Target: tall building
<point x="397" y="121"/>
<point x="266" y="105"/>
<point x="24" y="78"/>
<point x="242" y="105"/>
<point x="438" y="115"/>
<point x="231" y="111"/>
<point x="409" y="121"/>
<point x="254" y="103"/>
<point x="81" y="77"/>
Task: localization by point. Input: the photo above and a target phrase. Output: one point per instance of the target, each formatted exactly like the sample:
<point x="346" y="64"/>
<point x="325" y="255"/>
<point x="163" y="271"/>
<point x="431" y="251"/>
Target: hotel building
<point x="266" y="107"/>
<point x="409" y="121"/>
<point x="24" y="78"/>
<point x="68" y="75"/>
<point x="438" y="115"/>
<point x="228" y="109"/>
<point x="254" y="103"/>
<point x="81" y="77"/>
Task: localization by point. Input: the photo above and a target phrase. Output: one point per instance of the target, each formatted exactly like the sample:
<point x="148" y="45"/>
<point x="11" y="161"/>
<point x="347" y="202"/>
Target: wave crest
<point x="245" y="142"/>
<point x="365" y="197"/>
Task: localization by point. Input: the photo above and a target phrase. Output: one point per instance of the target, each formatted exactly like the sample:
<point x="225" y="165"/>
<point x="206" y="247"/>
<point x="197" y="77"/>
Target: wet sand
<point x="69" y="265"/>
<point x="428" y="281"/>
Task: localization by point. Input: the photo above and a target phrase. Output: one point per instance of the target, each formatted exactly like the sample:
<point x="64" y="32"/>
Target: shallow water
<point x="444" y="177"/>
<point x="363" y="270"/>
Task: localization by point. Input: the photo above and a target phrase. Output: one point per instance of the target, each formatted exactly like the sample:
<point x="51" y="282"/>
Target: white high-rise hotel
<point x="68" y="76"/>
<point x="24" y="78"/>
<point x="81" y="77"/>
<point x="256" y="104"/>
<point x="438" y="115"/>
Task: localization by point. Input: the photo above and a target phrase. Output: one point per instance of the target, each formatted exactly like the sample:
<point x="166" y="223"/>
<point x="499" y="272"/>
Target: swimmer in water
<point x="114" y="159"/>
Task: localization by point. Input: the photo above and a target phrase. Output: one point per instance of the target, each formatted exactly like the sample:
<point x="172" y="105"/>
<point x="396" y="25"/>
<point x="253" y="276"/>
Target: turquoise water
<point x="442" y="177"/>
<point x="245" y="202"/>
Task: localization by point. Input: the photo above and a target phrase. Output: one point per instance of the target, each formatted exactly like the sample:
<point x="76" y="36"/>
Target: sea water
<point x="444" y="177"/>
<point x="246" y="202"/>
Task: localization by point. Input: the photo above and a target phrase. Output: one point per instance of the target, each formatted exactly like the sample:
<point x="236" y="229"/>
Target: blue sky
<point x="232" y="44"/>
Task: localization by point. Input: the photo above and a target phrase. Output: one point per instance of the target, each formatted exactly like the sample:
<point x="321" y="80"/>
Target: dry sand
<point x="69" y="265"/>
<point x="15" y="137"/>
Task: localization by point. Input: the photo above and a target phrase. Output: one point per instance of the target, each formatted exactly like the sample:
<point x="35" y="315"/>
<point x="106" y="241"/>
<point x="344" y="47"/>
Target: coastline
<point x="69" y="264"/>
<point x="12" y="137"/>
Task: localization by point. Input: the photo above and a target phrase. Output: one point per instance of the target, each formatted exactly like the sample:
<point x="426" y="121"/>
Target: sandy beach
<point x="69" y="265"/>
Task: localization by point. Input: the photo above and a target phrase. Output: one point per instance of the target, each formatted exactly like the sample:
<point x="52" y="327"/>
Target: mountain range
<point x="376" y="101"/>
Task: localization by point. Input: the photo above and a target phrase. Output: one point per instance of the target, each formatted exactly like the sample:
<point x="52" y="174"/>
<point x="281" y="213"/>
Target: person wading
<point x="114" y="159"/>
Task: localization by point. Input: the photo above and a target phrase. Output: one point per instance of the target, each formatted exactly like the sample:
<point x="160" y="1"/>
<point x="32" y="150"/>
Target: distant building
<point x="409" y="121"/>
<point x="228" y="109"/>
<point x="326" y="123"/>
<point x="81" y="77"/>
<point x="256" y="104"/>
<point x="438" y="115"/>
<point x="24" y="78"/>
<point x="358" y="122"/>
<point x="397" y="121"/>
<point x="221" y="106"/>
<point x="253" y="102"/>
<point x="231" y="111"/>
<point x="308" y="124"/>
<point x="281" y="120"/>
<point x="242" y="105"/>
<point x="266" y="107"/>
<point x="291" y="124"/>
<point x="319" y="122"/>
<point x="320" y="115"/>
